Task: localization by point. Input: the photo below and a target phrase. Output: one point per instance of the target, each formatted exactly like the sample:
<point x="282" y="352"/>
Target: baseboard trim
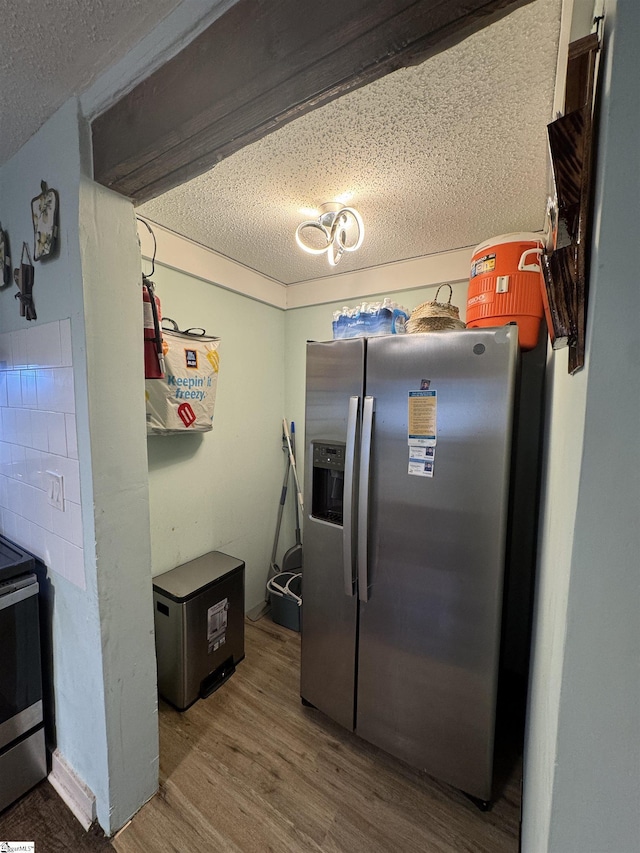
<point x="75" y="794"/>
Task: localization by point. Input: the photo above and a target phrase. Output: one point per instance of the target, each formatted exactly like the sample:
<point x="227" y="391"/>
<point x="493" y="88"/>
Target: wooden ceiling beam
<point x="261" y="64"/>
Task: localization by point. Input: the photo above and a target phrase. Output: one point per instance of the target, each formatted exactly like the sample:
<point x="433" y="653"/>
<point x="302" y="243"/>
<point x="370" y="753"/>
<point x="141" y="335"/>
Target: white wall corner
<point x="72" y="790"/>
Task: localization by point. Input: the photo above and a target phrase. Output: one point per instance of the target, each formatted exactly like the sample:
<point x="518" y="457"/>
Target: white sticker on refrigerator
<point x="217" y="624"/>
<point x="418" y="452"/>
<point x="421" y="467"/>
<point x="423" y="409"/>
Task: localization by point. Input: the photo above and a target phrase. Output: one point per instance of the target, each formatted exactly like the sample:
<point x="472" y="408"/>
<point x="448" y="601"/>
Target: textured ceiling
<point x="54" y="49"/>
<point x="436" y="157"/>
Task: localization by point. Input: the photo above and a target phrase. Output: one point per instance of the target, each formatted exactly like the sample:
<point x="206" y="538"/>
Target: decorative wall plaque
<point x="23" y="277"/>
<point x="44" y="212"/>
<point x="5" y="259"/>
<point x="565" y="260"/>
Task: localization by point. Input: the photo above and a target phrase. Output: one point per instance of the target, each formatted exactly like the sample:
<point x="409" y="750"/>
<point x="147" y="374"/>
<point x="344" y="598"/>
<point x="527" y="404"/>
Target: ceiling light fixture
<point x="341" y="229"/>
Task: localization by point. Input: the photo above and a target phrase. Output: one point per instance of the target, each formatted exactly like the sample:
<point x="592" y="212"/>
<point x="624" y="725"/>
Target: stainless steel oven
<point x="22" y="745"/>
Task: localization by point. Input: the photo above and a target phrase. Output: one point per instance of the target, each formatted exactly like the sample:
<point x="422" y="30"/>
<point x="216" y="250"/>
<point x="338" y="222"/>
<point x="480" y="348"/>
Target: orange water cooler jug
<point x="506" y="285"/>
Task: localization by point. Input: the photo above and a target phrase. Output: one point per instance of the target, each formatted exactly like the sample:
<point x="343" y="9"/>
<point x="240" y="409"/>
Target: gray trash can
<point x="199" y="620"/>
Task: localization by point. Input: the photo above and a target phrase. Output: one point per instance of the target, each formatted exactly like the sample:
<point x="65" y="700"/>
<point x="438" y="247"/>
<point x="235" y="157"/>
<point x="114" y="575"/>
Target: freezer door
<point x="335" y="376"/>
<point x="430" y="630"/>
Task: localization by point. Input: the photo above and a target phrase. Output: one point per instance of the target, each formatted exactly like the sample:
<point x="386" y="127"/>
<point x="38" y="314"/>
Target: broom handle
<point x="283" y="498"/>
<point x="285" y="426"/>
<point x="295" y="504"/>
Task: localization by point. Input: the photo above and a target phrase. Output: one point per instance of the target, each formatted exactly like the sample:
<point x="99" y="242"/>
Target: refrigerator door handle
<point x="363" y="498"/>
<point x="347" y="521"/>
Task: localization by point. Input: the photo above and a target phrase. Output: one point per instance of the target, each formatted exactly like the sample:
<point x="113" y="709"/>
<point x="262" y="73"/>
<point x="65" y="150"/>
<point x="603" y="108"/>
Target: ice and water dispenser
<point x="328" y="481"/>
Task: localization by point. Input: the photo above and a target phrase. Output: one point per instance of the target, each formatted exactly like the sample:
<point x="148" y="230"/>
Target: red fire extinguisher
<point x="153" y="354"/>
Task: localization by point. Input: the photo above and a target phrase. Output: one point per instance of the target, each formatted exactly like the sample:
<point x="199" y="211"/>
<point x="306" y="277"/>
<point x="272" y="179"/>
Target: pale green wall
<point x="219" y="490"/>
<point x="582" y="759"/>
<point x="54" y="153"/>
<point x="117" y="546"/>
<point x="102" y="662"/>
<point x="562" y="454"/>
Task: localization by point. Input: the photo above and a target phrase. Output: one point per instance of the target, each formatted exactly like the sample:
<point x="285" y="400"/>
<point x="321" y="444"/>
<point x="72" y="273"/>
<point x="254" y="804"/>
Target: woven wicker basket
<point x="435" y="316"/>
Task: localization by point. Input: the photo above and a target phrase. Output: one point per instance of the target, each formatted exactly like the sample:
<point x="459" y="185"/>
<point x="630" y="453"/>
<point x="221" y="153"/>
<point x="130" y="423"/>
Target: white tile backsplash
<point x="39" y="430"/>
<point x="28" y="387"/>
<point x="72" y="436"/>
<point x="9" y="424"/>
<point x="46" y="389"/>
<point x="56" y="433"/>
<point x="33" y="504"/>
<point x="74" y="564"/>
<point x="43" y="349"/>
<point x="37" y="541"/>
<point x="68" y="524"/>
<point x="5" y="459"/>
<point x="23" y="427"/>
<point x="38" y="434"/>
<point x="14" y="496"/>
<point x="9" y="524"/>
<point x="54" y="552"/>
<point x="33" y="464"/>
<point x="14" y="389"/>
<point x="18" y="468"/>
<point x="19" y="348"/>
<point x="64" y="395"/>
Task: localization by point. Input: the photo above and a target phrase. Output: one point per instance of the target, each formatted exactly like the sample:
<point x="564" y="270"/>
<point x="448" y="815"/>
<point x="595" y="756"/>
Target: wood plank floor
<point x="249" y="770"/>
<point x="42" y="817"/>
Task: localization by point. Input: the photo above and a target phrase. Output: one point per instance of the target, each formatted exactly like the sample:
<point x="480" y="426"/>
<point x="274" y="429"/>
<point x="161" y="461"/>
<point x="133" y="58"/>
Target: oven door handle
<point x="18" y="595"/>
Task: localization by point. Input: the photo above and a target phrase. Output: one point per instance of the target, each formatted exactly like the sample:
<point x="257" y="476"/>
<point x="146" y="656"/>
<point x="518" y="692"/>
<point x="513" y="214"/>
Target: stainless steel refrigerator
<point x="415" y="517"/>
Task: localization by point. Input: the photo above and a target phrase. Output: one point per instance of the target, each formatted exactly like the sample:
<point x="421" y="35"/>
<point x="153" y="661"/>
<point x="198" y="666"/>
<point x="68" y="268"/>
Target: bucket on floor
<point x="285" y="590"/>
<point x="506" y="285"/>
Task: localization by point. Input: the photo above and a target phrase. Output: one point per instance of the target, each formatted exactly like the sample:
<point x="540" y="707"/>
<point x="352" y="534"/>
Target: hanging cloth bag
<point x="183" y="400"/>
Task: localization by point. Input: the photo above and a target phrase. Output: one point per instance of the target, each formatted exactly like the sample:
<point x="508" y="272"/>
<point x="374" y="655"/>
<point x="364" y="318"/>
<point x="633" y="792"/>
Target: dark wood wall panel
<point x="565" y="267"/>
<point x="260" y="65"/>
